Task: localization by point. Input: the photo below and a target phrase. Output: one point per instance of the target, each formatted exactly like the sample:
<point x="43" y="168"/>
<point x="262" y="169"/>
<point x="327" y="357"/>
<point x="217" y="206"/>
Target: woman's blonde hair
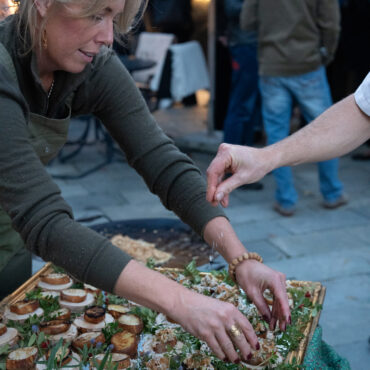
<point x="28" y="22"/>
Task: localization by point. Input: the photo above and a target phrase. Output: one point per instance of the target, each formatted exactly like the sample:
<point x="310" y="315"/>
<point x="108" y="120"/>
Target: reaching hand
<point x="218" y="323"/>
<point x="244" y="163"/>
<point x="254" y="278"/>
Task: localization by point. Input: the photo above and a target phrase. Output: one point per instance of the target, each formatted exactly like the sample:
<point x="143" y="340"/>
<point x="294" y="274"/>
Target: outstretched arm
<point x="337" y="131"/>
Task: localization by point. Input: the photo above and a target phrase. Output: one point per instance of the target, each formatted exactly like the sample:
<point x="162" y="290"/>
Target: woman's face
<point x="73" y="42"/>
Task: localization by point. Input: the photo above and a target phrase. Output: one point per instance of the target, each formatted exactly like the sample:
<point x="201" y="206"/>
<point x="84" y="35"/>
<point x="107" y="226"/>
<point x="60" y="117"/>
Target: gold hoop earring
<point x="44" y="40"/>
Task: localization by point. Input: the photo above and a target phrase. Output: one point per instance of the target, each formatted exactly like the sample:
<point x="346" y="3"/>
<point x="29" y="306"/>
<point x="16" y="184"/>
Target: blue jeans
<point x="311" y="92"/>
<point x="244" y="108"/>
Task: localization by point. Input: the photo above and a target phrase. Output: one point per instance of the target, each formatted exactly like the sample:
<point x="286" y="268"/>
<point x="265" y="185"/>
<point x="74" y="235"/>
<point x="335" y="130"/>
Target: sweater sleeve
<point x="249" y="15"/>
<point x="328" y="22"/>
<point x="168" y="172"/>
<point x="37" y="210"/>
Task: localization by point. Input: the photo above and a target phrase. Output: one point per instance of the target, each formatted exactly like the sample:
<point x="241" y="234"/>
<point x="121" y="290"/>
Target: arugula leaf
<point x="151" y="263"/>
<point x="110" y="330"/>
<point x="113" y="299"/>
<point x="224" y="276"/>
<point x="191" y="271"/>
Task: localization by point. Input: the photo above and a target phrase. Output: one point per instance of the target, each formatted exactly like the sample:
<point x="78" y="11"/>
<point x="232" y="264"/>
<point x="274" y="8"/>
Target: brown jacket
<point x="294" y="37"/>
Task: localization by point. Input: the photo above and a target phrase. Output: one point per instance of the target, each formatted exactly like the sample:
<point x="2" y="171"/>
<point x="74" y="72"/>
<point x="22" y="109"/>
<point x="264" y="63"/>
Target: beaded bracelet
<point x="235" y="262"/>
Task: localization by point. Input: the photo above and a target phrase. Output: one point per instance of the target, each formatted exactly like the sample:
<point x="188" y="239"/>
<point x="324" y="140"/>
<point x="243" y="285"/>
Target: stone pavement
<point x="330" y="246"/>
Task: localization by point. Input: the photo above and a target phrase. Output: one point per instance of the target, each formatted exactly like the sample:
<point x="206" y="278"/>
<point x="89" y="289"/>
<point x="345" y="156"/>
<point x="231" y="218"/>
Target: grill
<point x="172" y="236"/>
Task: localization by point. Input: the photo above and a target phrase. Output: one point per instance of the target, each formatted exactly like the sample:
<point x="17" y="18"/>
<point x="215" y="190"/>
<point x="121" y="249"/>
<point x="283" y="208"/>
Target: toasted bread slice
<point x="83" y="326"/>
<point x="73" y="295"/>
<point x="61" y="314"/>
<point x="125" y="342"/>
<point x="91" y="289"/>
<point x="131" y="323"/>
<point x="8" y="315"/>
<point x="24" y="307"/>
<point x="10" y="336"/>
<point x="79" y="306"/>
<point x="55" y="279"/>
<point x="22" y="358"/>
<point x="118" y="361"/>
<point x="89" y="339"/>
<point x="94" y="314"/>
<point x="3" y="329"/>
<point x="67" y="337"/>
<point x="116" y="310"/>
<point x="54" y="326"/>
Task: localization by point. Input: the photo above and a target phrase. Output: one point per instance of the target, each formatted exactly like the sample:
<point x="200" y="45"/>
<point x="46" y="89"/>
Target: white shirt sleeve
<point x="362" y="95"/>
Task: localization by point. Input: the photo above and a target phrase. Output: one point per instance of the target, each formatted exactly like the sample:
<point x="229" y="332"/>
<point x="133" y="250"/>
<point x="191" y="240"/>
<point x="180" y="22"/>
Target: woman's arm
<point x="207" y="318"/>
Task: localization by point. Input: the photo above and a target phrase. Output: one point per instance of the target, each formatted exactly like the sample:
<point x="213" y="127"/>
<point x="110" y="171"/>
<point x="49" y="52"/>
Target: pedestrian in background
<point x="296" y="39"/>
<point x="244" y="108"/>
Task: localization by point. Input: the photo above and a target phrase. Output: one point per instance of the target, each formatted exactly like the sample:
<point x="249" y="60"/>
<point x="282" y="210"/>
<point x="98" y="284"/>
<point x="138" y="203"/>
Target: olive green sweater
<point x="31" y="198"/>
<point x="294" y="36"/>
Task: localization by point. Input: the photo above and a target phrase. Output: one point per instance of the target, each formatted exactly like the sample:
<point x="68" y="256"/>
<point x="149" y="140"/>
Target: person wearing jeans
<point x="311" y="92"/>
<point x="295" y="42"/>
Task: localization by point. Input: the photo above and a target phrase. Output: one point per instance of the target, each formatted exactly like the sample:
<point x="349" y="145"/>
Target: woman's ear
<point x="42" y="6"/>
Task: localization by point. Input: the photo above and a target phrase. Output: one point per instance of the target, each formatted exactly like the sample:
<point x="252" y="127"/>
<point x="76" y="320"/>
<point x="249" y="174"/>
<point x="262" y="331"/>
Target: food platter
<point x="311" y="293"/>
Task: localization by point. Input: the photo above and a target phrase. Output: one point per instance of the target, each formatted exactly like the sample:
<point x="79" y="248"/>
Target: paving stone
<point x="141" y="198"/>
<point x="250" y="212"/>
<point x="96" y="200"/>
<point x="320" y="241"/>
<point x="135" y="212"/>
<point x="266" y="250"/>
<point x="307" y="221"/>
<point x="326" y="266"/>
<point x="348" y="293"/>
<point x="74" y="190"/>
<point x="357" y="353"/>
<point x="258" y="230"/>
<point x="345" y="326"/>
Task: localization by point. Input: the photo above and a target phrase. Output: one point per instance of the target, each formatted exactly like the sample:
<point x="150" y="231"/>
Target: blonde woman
<point x="55" y="64"/>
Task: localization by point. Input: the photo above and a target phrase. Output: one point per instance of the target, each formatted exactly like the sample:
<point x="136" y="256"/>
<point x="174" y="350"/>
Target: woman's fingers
<point x="215" y="347"/>
<point x="227" y="346"/>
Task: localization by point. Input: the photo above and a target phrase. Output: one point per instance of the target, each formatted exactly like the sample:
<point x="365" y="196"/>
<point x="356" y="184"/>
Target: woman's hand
<point x="246" y="165"/>
<point x="254" y="278"/>
<point x="218" y="323"/>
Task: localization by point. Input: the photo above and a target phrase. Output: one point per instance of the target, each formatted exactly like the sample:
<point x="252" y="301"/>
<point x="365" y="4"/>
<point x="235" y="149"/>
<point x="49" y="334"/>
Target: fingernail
<point x="258" y="346"/>
<point x="219" y="196"/>
<point x="266" y="318"/>
<point x="249" y="357"/>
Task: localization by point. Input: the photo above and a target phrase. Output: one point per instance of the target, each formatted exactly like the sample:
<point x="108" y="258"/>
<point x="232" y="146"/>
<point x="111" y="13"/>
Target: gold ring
<point x="234" y="331"/>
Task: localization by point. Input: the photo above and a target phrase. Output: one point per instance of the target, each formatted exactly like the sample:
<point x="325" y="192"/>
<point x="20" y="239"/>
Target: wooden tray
<point x="318" y="297"/>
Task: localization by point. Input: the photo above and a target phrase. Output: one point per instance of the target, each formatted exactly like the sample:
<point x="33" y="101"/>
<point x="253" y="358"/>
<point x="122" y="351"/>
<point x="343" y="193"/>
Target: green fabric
<point x="292" y="35"/>
<point x="321" y="356"/>
<point x="29" y="195"/>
